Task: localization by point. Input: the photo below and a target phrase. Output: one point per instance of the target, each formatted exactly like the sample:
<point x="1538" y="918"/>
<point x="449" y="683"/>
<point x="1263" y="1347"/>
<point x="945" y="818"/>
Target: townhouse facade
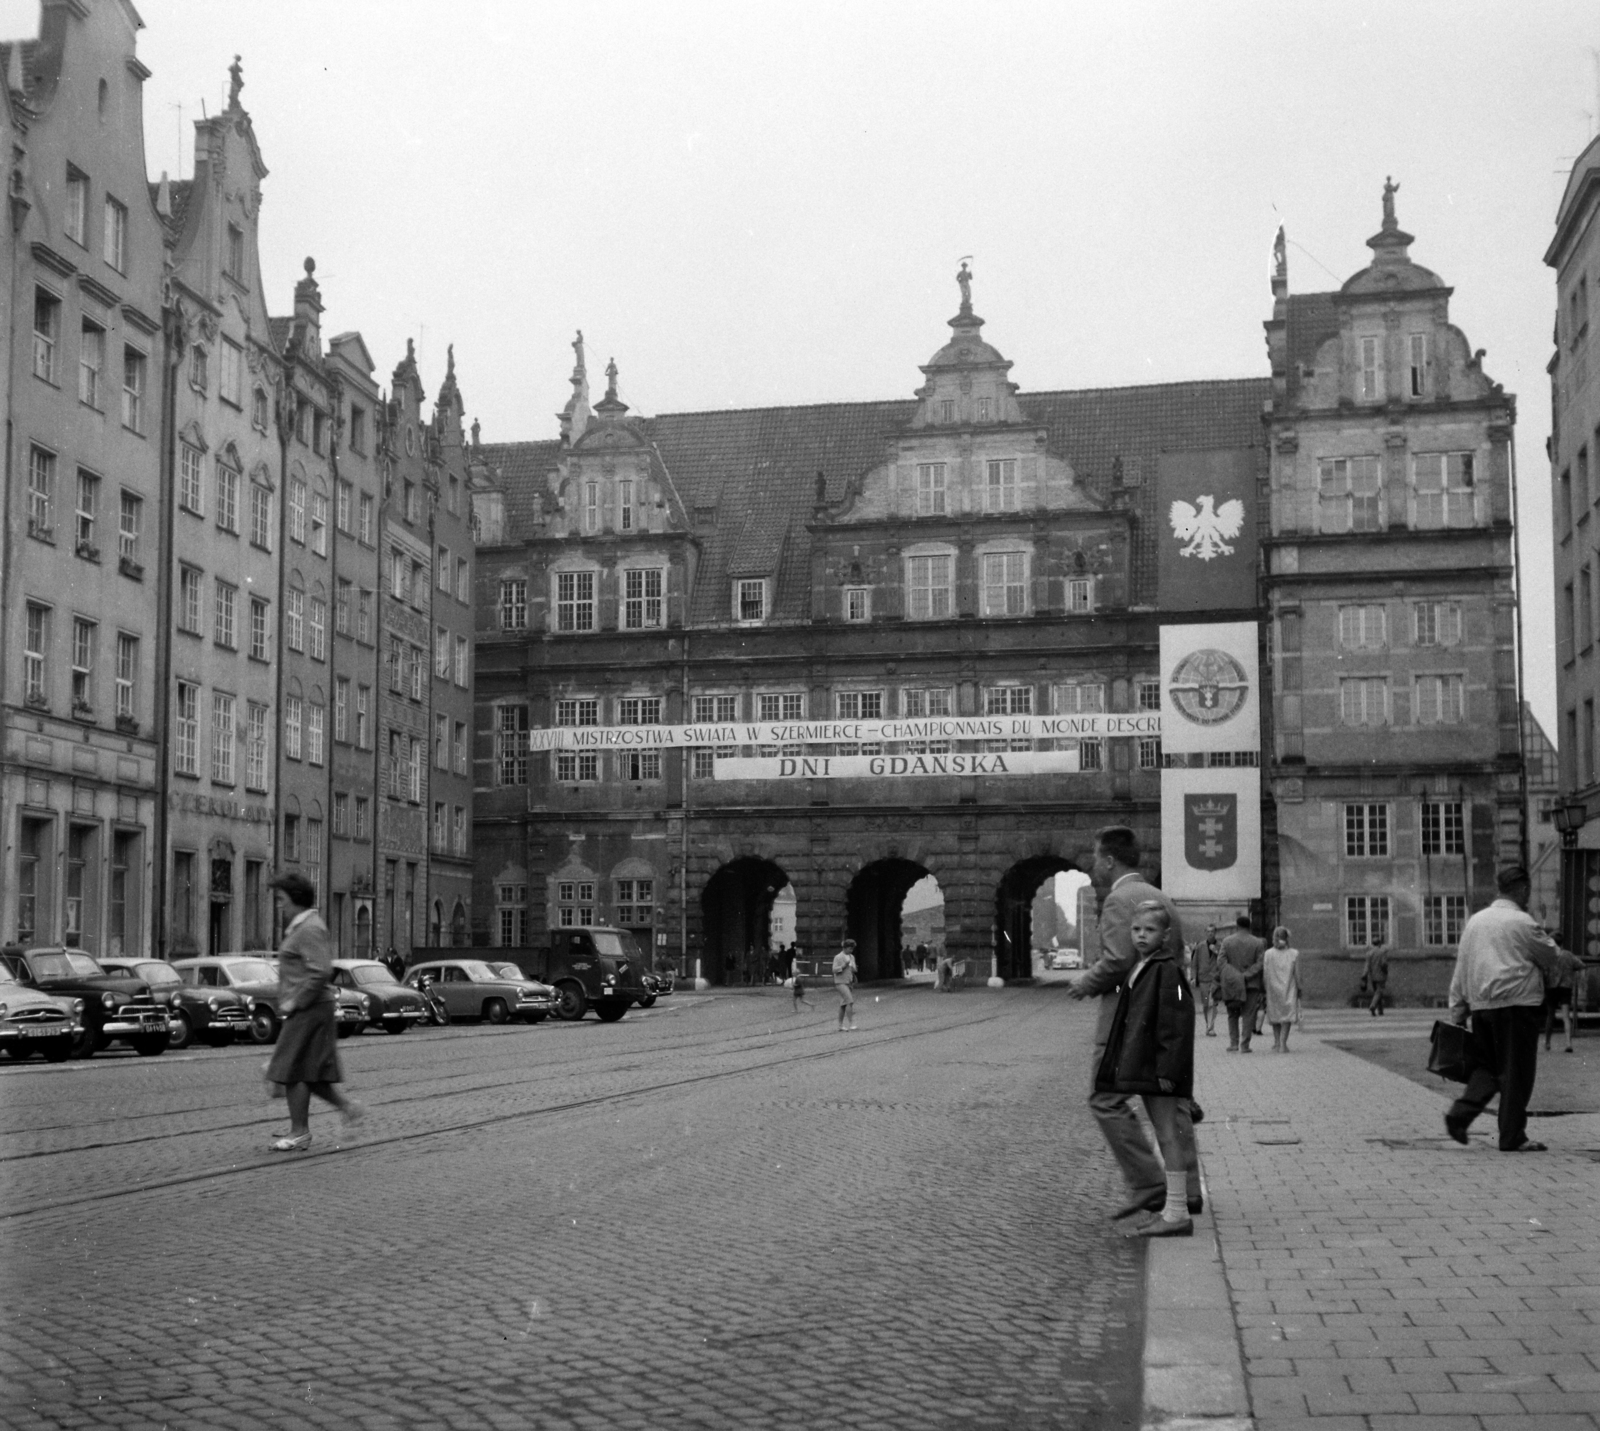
<point x="1395" y="763"/>
<point x="1574" y="452"/>
<point x="220" y="552"/>
<point x="80" y="715"/>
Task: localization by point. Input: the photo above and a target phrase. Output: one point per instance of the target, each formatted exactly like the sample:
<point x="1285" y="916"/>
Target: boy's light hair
<point x="1153" y="906"/>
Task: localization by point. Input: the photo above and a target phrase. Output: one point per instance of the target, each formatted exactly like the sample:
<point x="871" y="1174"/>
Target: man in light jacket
<point x="1502" y="963"/>
<point x="1123" y="890"/>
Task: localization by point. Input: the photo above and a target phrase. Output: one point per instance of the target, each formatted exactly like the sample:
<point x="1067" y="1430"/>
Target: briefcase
<point x="1450" y="1051"/>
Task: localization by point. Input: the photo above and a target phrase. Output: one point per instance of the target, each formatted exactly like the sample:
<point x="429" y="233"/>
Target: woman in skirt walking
<point x="306" y="1057"/>
<point x="844" y="975"/>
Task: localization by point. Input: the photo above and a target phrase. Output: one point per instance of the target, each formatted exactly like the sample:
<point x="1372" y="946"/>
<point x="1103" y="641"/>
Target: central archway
<point x="1013" y="912"/>
<point x="736" y="907"/>
<point x="872" y="914"/>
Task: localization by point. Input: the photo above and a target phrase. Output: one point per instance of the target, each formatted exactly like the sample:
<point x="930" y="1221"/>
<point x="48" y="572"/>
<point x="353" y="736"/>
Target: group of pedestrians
<point x="845" y="976"/>
<point x="1253" y="982"/>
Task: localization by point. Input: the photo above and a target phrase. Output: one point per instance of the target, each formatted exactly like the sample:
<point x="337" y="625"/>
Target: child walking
<point x="1150" y="1051"/>
<point x="798" y="986"/>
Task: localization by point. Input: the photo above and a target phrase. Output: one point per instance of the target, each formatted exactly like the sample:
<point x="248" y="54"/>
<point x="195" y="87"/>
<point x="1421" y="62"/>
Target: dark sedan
<point x="114" y="1007"/>
<point x="214" y="1016"/>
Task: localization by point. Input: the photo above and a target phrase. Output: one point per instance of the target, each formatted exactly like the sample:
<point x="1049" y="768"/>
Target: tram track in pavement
<point x="438" y="1083"/>
<point x="288" y="1166"/>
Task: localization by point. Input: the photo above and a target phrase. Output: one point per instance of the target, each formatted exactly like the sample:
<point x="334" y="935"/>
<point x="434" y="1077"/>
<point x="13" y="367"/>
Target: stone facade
<point x="80" y="631"/>
<point x="1395" y="762"/>
<point x="973" y="552"/>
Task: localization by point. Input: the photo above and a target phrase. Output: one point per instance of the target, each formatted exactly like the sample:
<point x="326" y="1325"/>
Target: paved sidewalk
<point x="1382" y="1277"/>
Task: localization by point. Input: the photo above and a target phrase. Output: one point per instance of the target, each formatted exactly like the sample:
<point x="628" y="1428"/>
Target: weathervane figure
<point x="964" y="278"/>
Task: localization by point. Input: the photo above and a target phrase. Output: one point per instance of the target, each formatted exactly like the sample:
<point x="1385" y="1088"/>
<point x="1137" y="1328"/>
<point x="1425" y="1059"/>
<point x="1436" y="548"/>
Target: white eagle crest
<point x="1208" y="533"/>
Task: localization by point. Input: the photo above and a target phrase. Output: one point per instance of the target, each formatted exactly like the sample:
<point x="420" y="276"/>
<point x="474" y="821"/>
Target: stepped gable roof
<point x="758" y="466"/>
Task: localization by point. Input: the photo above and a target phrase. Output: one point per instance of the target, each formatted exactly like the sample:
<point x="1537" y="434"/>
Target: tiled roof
<point x="1313" y="318"/>
<point x="757" y="467"/>
<point x="29" y="63"/>
<point x="280" y="329"/>
<point x="180" y="192"/>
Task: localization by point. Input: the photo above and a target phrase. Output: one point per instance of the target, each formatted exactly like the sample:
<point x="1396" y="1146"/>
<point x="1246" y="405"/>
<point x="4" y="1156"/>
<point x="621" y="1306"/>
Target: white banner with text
<point x="895" y="767"/>
<point x="844" y="732"/>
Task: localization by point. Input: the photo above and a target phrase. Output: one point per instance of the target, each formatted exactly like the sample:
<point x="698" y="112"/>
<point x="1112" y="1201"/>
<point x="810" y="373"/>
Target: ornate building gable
<point x="967" y="449"/>
<point x="1384" y="338"/>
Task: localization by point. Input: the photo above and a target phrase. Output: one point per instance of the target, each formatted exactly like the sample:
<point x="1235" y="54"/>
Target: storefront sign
<point x="896" y="767"/>
<point x="188" y="802"/>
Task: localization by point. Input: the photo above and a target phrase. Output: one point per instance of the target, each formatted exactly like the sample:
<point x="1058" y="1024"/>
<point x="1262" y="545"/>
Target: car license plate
<point x="35" y="1032"/>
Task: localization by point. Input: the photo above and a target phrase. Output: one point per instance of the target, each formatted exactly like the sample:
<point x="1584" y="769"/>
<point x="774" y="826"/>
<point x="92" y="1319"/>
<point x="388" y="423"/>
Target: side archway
<point x="1013" y="912"/>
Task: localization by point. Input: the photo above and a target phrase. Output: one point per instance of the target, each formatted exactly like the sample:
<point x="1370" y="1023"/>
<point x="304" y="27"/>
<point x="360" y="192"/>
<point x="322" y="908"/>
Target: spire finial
<point x="310" y="267"/>
<point x="611" y="380"/>
<point x="964" y="281"/>
<point x="411" y="350"/>
<point x="449" y="361"/>
<point x="235" y="82"/>
<point x="1390" y="189"/>
<point x="578" y="370"/>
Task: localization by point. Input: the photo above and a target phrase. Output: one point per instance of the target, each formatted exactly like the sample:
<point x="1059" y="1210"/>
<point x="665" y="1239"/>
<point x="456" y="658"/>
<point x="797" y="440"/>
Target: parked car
<point x="589" y="966"/>
<point x="478" y="989"/>
<point x="1066" y="959"/>
<point x="214" y="1016"/>
<point x="115" y="1007"/>
<point x="31" y="1022"/>
<point x="394" y="1007"/>
<point x="252" y="975"/>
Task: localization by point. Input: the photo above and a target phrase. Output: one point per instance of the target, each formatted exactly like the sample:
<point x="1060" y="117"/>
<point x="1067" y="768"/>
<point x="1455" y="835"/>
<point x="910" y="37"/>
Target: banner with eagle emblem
<point x="1206" y="528"/>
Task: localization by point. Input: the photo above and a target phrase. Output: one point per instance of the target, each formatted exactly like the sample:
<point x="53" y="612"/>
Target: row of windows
<point x="227" y="736"/>
<point x="352" y="818"/>
<point x="1367" y="826"/>
<point x="227" y="612"/>
<point x="38" y="674"/>
<point x="1435" y="700"/>
<point x="1371" y="386"/>
<point x="404" y="663"/>
<point x="452" y="575"/>
<point x="1573" y="498"/>
<point x="1366" y="627"/>
<point x="1368" y="919"/>
<point x="87" y="520"/>
<point x="39" y="855"/>
<point x="353" y="512"/>
<point x="1443" y="493"/>
<point x="1005" y="590"/>
<point x="352" y="601"/>
<point x="49" y="362"/>
<point x="191" y="496"/>
<point x="632" y="903"/>
<point x="231" y="380"/>
<point x="113" y="220"/>
<point x="408" y="578"/>
<point x="449" y="829"/>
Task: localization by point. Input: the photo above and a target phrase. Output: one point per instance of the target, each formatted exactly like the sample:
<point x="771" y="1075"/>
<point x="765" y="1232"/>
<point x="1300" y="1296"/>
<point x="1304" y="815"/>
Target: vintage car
<point x="114" y="1007"/>
<point x="590" y="966"/>
<point x="31" y="1022"/>
<point x="214" y="1016"/>
<point x="478" y="989"/>
<point x="253" y="976"/>
<point x="394" y="1007"/>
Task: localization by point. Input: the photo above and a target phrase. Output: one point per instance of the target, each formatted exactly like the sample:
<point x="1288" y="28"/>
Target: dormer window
<point x="625" y="505"/>
<point x="750" y="599"/>
<point x="858" y="603"/>
<point x="983" y="409"/>
<point x="1080" y="595"/>
<point x="947" y="410"/>
<point x="930" y="489"/>
<point x="591" y="506"/>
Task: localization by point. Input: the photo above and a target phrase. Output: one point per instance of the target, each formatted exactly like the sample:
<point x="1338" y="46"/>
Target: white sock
<point x="1177" y="1208"/>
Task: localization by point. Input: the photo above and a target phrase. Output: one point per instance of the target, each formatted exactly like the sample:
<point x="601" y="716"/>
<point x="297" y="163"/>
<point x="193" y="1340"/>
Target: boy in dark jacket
<point x="1150" y="1051"/>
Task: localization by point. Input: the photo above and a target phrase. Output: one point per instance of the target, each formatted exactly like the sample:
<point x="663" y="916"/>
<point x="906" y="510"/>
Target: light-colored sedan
<point x="391" y="1005"/>
<point x="31" y="1022"/>
<point x="479" y="989"/>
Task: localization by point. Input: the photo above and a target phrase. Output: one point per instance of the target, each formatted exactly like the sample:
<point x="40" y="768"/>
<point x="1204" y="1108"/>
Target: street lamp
<point x="1570" y="816"/>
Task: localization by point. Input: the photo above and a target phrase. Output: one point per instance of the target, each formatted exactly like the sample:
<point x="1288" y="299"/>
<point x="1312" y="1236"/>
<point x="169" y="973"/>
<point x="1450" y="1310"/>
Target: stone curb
<point x="1193" y="1364"/>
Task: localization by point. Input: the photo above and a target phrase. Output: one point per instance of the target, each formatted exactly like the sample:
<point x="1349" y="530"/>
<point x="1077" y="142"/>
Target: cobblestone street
<point x="716" y="1213"/>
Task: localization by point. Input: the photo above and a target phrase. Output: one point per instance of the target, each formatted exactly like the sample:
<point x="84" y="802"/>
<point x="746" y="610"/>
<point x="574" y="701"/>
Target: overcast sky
<point x="750" y="204"/>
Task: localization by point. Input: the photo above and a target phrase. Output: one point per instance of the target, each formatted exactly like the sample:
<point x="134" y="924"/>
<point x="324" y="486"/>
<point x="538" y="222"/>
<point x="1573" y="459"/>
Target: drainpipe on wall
<point x="687" y="757"/>
<point x="171" y="359"/>
<point x="1516" y="599"/>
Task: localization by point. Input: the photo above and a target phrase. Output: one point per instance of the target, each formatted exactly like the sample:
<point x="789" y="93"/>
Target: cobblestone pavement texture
<point x="1383" y="1277"/>
<point x="717" y="1213"/>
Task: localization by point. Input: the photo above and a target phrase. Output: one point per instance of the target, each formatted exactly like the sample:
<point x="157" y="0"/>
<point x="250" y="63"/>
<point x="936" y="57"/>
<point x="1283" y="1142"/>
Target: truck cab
<point x="591" y="966"/>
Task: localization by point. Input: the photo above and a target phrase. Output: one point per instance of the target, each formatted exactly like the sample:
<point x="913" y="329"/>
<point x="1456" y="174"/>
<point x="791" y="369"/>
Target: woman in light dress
<point x="1280" y="967"/>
